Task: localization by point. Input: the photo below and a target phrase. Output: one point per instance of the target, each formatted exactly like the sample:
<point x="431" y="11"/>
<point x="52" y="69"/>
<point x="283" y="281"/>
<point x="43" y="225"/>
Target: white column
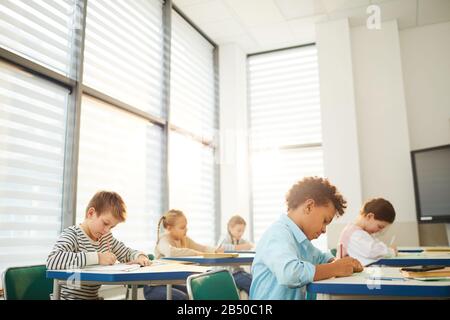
<point x="383" y="125"/>
<point x="233" y="132"/>
<point x="339" y="127"/>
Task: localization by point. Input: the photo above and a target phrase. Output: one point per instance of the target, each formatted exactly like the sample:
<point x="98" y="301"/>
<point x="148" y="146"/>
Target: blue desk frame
<point x="385" y="290"/>
<point x="133" y="279"/>
<point x="405" y="262"/>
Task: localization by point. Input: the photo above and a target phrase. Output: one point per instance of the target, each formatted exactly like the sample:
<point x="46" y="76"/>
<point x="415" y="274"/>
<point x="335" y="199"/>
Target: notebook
<point x="440" y="273"/>
<point x="437" y="249"/>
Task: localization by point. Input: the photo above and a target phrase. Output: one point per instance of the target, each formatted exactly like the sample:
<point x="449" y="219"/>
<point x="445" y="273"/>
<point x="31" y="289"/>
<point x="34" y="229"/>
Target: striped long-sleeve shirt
<point x="75" y="250"/>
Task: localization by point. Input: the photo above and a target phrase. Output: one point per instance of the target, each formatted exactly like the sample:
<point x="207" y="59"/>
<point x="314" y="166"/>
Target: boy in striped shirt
<point x="92" y="243"/>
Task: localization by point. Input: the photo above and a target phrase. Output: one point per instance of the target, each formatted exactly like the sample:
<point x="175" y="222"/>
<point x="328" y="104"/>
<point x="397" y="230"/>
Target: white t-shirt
<point x="366" y="248"/>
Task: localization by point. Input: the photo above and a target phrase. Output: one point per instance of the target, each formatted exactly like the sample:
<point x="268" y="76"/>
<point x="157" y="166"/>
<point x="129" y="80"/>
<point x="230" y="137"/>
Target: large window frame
<point x="285" y="147"/>
<point x="74" y="82"/>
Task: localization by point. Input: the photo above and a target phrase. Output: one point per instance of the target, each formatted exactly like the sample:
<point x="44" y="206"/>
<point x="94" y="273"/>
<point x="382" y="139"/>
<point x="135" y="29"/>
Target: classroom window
<point x="41" y="31"/>
<point x="34" y="126"/>
<point x="123" y="55"/>
<point x="121" y="150"/>
<point x="124" y="153"/>
<point x="32" y="139"/>
<point x="119" y="87"/>
<point x="285" y="129"/>
<point x="193" y="118"/>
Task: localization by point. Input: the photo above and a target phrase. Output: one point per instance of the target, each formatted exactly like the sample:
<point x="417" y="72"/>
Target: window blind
<point x="40" y="30"/>
<point x="124" y="153"/>
<point x="285" y="128"/>
<point x="32" y="140"/>
<point x="124" y="51"/>
<point x="192" y="178"/>
<point x="192" y="186"/>
<point x="192" y="91"/>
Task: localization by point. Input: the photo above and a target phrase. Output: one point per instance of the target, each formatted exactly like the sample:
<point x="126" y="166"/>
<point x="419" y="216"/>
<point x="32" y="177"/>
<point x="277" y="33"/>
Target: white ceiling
<point x="259" y="25"/>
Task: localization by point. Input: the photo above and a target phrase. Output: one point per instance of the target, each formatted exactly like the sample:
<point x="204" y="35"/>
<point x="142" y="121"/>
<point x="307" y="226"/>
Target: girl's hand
<point x="219" y="250"/>
<point x="244" y="246"/>
<point x="394" y="247"/>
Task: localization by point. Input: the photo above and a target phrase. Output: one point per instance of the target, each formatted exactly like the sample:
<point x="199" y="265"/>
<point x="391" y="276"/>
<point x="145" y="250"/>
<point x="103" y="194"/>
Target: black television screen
<point x="431" y="172"/>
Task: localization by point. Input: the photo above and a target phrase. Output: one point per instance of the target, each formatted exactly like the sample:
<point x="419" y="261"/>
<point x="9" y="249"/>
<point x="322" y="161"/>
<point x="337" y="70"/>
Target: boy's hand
<point x="219" y="250"/>
<point x="142" y="260"/>
<point x="357" y="266"/>
<point x="106" y="258"/>
<point x="344" y="267"/>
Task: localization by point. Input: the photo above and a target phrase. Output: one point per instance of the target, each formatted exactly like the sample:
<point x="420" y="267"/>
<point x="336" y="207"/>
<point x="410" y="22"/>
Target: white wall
<point x="339" y="127"/>
<point x="234" y="181"/>
<point x="426" y="71"/>
<point x="382" y="119"/>
<point x="381" y="130"/>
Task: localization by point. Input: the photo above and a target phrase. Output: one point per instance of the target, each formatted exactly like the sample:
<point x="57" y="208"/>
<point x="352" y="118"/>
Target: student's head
<point x="105" y="210"/>
<point x="376" y="214"/>
<point x="312" y="204"/>
<point x="236" y="227"/>
<point x="175" y="223"/>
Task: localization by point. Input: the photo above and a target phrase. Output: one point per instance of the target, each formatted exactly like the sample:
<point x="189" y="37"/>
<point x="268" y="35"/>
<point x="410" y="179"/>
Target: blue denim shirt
<point x="284" y="262"/>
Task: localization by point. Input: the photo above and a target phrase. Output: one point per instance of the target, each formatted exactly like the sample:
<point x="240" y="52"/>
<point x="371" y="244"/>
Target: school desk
<point x="379" y="282"/>
<point x="441" y="249"/>
<point x="405" y="259"/>
<point x="241" y="260"/>
<point x="154" y="275"/>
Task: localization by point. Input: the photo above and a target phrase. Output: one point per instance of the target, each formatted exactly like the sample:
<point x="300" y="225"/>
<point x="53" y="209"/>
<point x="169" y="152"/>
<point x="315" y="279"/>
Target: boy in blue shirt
<point x="285" y="259"/>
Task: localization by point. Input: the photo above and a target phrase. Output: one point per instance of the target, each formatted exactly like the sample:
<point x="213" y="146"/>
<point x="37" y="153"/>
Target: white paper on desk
<point x="174" y="267"/>
<point x="118" y="267"/>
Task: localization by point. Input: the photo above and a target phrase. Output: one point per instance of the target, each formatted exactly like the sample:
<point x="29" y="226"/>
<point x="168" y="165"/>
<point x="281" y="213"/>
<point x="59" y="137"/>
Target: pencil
<point x="392" y="241"/>
<point x="340" y="251"/>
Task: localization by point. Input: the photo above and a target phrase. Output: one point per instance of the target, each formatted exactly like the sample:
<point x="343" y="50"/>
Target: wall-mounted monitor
<point x="431" y="173"/>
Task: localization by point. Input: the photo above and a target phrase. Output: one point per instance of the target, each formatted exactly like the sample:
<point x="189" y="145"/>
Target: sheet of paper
<point x="118" y="267"/>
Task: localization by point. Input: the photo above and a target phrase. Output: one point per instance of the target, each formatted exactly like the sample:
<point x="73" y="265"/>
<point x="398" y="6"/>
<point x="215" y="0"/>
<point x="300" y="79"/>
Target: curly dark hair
<point x="318" y="189"/>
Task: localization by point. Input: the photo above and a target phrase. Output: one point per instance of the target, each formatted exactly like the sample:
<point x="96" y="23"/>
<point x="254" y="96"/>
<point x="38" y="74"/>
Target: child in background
<point x="357" y="239"/>
<point x="233" y="241"/>
<point x="91" y="243"/>
<point x="174" y="243"/>
<point x="285" y="260"/>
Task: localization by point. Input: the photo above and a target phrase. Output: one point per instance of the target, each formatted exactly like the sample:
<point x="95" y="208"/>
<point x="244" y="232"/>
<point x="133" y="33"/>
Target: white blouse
<point x="366" y="248"/>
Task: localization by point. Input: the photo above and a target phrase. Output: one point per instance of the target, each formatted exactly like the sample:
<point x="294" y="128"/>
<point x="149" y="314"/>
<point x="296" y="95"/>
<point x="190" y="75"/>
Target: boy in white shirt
<point x="357" y="239"/>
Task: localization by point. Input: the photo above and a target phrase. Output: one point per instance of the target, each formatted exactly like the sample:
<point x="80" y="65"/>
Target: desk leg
<point x="56" y="290"/>
<point x="169" y="292"/>
<point x="323" y="296"/>
<point x="134" y="289"/>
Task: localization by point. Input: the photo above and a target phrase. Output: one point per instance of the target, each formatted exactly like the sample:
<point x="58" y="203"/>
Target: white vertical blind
<point x="40" y="30"/>
<point x="32" y="141"/>
<point x="192" y="186"/>
<point x="123" y="153"/>
<point x="192" y="108"/>
<point x="284" y="117"/>
<point x="192" y="81"/>
<point x="284" y="98"/>
<point x="124" y="51"/>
